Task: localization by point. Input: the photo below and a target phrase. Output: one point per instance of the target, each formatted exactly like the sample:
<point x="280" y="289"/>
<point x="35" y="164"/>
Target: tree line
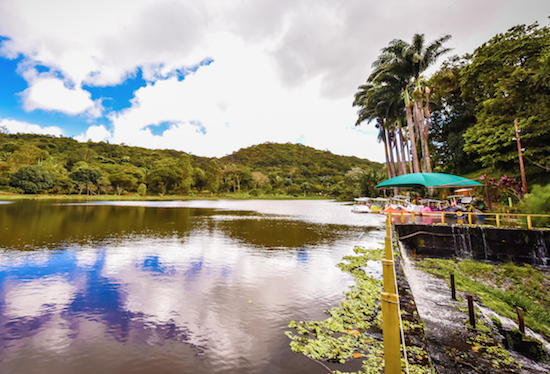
<point x="460" y="120"/>
<point x="31" y="163"/>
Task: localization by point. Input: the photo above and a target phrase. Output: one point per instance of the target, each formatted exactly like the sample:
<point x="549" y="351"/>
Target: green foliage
<point x="213" y="175"/>
<point x="31" y="179"/>
<point x="142" y="189"/>
<point x="344" y="334"/>
<point x="164" y="176"/>
<point x="184" y="163"/>
<point x="451" y="116"/>
<point x="267" y="168"/>
<point x="504" y="78"/>
<point x="537" y="202"/>
<point x="501" y="287"/>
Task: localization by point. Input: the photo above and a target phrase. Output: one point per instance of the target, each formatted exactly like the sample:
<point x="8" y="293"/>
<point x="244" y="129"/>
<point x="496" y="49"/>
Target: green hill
<point x="27" y="161"/>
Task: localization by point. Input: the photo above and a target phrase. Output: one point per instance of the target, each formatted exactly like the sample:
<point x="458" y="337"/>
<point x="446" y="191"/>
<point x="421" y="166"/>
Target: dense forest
<point x="32" y="163"/>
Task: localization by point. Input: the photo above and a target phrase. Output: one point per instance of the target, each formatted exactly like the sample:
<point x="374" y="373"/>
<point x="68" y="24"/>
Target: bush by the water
<point x="32" y="179"/>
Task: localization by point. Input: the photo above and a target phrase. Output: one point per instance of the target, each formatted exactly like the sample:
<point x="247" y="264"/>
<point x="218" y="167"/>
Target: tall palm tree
<point x="377" y="102"/>
<point x="403" y="64"/>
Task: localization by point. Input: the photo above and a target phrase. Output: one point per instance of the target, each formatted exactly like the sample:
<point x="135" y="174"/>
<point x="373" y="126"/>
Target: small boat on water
<point x="401" y="204"/>
<point x="369" y="204"/>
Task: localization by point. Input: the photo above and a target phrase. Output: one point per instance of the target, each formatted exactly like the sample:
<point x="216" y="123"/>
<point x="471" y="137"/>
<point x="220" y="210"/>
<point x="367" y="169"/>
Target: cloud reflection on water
<point x="190" y="285"/>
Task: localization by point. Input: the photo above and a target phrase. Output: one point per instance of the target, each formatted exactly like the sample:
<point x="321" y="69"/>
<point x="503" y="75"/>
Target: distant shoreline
<point x="134" y="197"/>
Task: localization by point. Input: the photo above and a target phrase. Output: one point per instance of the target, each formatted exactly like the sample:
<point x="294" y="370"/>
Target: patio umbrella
<point x="435" y="180"/>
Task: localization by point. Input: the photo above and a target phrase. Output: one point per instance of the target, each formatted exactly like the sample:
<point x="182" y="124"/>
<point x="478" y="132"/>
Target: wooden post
<point x="471" y="311"/>
<point x="390" y="329"/>
<point x="413" y="217"/>
<point x="498" y="221"/>
<point x="402" y="217"/>
<point x="521" y="167"/>
<point x="453" y="288"/>
<point x="442" y="218"/>
<point x="521" y="323"/>
<point x="529" y="224"/>
<point x="470" y="219"/>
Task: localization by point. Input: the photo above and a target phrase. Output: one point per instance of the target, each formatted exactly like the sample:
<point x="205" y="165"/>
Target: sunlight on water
<point x="171" y="287"/>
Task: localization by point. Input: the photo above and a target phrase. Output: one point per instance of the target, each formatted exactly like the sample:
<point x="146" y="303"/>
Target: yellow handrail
<point x="498" y="217"/>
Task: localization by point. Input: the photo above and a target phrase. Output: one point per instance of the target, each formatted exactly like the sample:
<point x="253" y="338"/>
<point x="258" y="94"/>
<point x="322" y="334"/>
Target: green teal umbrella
<point x="436" y="180"/>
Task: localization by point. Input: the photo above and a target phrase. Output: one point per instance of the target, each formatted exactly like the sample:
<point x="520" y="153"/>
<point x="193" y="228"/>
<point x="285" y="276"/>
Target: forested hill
<point x="296" y="158"/>
<point x="32" y="163"/>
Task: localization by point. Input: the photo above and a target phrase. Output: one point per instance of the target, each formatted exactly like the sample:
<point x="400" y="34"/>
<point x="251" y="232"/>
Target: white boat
<point x="369" y="204"/>
<point x="401" y="204"/>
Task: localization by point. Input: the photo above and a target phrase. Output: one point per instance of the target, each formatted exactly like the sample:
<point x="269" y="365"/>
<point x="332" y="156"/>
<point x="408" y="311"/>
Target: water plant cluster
<point x="352" y="329"/>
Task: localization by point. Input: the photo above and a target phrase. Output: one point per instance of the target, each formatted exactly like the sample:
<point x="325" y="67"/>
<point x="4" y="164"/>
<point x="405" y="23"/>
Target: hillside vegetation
<point x="32" y="163"/>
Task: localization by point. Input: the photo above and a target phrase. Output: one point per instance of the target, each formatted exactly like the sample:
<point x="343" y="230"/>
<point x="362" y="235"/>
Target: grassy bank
<point x="501" y="287"/>
<point x="6" y="196"/>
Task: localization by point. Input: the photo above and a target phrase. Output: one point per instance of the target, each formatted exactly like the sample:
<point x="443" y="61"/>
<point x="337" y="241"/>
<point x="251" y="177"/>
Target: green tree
<point x="124" y="177"/>
<point x="184" y="163"/>
<point x="86" y="177"/>
<point x="213" y="175"/>
<point x="164" y="176"/>
<point x="142" y="189"/>
<point x="508" y="78"/>
<point x="400" y="65"/>
<point x="451" y="116"/>
<point x="32" y="179"/>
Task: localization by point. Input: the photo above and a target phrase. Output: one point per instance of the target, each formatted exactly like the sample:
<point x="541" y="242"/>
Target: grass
<point x="501" y="287"/>
<point x="6" y="196"/>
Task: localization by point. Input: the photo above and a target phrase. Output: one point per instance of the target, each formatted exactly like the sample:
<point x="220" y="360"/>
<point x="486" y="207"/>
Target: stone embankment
<point x="453" y="344"/>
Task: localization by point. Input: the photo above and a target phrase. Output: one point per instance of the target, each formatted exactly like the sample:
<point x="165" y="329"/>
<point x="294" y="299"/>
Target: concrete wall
<point x="479" y="243"/>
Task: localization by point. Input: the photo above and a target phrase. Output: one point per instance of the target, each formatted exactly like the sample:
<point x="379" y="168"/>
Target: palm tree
<point x="402" y="63"/>
<point x="381" y="102"/>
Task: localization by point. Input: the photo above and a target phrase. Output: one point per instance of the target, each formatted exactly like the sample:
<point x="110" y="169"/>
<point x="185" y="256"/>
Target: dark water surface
<point x="169" y="287"/>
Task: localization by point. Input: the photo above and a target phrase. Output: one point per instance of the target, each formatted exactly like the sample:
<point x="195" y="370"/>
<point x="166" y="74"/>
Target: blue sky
<point x="210" y="77"/>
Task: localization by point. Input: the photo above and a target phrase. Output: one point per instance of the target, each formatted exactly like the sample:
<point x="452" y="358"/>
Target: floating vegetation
<point x="353" y="329"/>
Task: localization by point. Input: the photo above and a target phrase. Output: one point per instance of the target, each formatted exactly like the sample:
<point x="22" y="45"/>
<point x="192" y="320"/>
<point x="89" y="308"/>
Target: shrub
<point x="32" y="179"/>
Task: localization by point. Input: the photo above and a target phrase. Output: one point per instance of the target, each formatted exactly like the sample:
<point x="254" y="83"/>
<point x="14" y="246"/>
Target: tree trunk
<point x="390" y="150"/>
<point x="419" y="121"/>
<point x="385" y="140"/>
<point x="410" y="126"/>
<point x="428" y="122"/>
<point x="402" y="146"/>
<point x="399" y="155"/>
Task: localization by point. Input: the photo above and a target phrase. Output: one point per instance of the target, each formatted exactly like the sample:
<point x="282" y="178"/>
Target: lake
<point x="169" y="287"/>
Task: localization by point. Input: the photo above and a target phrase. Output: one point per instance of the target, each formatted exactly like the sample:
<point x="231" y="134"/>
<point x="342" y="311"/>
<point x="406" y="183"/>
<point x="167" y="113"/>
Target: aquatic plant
<point x="352" y="329"/>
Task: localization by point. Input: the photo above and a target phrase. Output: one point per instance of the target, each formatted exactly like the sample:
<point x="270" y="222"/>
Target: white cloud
<point x="52" y="94"/>
<point x="283" y="70"/>
<point x="15" y="127"/>
<point x="95" y="133"/>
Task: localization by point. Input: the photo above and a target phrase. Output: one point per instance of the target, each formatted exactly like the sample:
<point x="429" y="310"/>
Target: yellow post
<point x="388" y="277"/>
<point x="402" y="217"/>
<point x="529" y="225"/>
<point x="388" y="225"/>
<point x="390" y="328"/>
<point x="389" y="251"/>
<point x="498" y="221"/>
<point x="470" y="219"/>
<point x="442" y="218"/>
<point x="413" y="217"/>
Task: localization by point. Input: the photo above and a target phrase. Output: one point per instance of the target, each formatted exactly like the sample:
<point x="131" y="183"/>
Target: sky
<point x="209" y="77"/>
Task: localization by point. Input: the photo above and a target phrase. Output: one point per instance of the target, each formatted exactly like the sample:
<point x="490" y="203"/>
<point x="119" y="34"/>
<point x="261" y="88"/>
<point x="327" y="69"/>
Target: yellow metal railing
<point x="472" y="218"/>
<point x="391" y="317"/>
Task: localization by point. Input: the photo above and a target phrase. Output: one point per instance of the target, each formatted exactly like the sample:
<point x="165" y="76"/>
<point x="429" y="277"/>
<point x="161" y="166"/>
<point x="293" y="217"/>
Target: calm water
<point x="169" y="287"/>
